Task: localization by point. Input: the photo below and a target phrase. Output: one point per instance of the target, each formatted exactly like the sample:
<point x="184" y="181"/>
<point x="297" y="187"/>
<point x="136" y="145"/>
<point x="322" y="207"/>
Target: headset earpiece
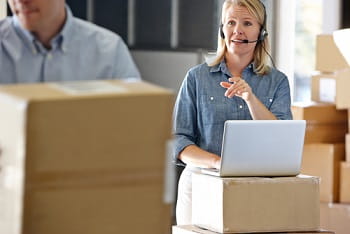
<point x="263" y="34"/>
<point x="222" y="31"/>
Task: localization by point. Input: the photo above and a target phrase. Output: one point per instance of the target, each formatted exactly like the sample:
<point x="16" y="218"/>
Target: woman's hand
<point x="237" y="87"/>
<point x="240" y="88"/>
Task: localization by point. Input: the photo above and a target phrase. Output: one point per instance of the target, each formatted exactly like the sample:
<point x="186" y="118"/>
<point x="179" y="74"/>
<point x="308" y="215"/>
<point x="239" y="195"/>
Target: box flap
<point x="341" y="39"/>
<point x="82" y="89"/>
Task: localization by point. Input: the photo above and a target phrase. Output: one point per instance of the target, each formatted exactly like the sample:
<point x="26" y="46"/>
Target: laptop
<point x="261" y="148"/>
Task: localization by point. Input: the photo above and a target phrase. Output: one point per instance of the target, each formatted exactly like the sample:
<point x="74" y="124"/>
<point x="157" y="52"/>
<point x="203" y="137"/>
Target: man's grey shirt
<point x="81" y="51"/>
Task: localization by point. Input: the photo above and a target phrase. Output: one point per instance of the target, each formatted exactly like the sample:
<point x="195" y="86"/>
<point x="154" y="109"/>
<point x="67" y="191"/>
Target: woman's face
<point x="239" y="25"/>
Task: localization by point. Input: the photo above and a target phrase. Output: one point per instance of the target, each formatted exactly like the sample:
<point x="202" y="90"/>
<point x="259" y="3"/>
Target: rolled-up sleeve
<point x="185" y="116"/>
<point x="281" y="106"/>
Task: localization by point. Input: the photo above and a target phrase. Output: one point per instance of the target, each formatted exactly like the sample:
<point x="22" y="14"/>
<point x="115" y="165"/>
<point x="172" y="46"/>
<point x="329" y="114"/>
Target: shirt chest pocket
<point x="216" y="109"/>
<point x="267" y="101"/>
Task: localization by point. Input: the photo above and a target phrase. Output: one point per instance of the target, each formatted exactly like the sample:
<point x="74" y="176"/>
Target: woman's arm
<point x="195" y="156"/>
<point x="258" y="110"/>
<point x="240" y="88"/>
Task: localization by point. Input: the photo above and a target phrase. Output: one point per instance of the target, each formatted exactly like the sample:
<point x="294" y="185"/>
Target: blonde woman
<point x="238" y="84"/>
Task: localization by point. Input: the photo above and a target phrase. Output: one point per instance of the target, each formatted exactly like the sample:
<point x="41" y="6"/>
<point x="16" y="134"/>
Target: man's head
<point x="39" y="15"/>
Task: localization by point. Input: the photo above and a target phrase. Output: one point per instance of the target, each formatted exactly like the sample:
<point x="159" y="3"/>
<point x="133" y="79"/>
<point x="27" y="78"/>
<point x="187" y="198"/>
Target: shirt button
<point x="211" y="98"/>
<point x="270" y="100"/>
<point x="240" y="106"/>
<point x="34" y="50"/>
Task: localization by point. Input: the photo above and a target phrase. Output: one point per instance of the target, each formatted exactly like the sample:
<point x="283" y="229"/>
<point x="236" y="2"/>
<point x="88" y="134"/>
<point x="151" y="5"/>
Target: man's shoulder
<point x="91" y="30"/>
<point x="5" y="27"/>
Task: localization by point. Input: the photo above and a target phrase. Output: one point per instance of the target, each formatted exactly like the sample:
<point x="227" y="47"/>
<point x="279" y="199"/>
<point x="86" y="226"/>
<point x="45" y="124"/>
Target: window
<point x="308" y="25"/>
<point x="297" y="24"/>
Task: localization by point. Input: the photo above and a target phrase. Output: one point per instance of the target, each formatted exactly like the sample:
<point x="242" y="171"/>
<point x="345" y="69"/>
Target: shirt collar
<point x="24" y="34"/>
<point x="59" y="41"/>
<point x="222" y="67"/>
<point x="67" y="30"/>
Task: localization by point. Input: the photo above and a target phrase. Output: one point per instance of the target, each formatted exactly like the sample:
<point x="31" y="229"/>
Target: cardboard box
<point x="332" y="88"/>
<point x="323" y="88"/>
<point x="349" y="119"/>
<point x="99" y="207"/>
<point x="191" y="229"/>
<point x="324" y="123"/>
<point x="342" y="89"/>
<point x="328" y="56"/>
<point x="77" y="155"/>
<point x="335" y="217"/>
<point x="323" y="160"/>
<point x="345" y="182"/>
<point x="255" y="204"/>
<point x="347" y="147"/>
<point x="341" y="38"/>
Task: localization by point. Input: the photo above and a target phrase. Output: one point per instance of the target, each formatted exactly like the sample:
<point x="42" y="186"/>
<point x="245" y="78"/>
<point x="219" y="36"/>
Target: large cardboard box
<point x="324" y="123"/>
<point x="347" y="147"/>
<point x="323" y="160"/>
<point x="255" y="204"/>
<point x="345" y="182"/>
<point x="349" y="119"/>
<point x="332" y="88"/>
<point x="328" y="56"/>
<point x="191" y="229"/>
<point x="96" y="207"/>
<point x="335" y="217"/>
<point x="83" y="157"/>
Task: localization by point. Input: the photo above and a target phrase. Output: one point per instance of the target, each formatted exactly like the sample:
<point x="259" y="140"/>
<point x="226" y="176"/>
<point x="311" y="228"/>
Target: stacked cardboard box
<point x="84" y="157"/>
<point x="325" y="156"/>
<point x="335" y="216"/>
<point x="324" y="144"/>
<point x="254" y="204"/>
<point x="345" y="182"/>
<point x="332" y="82"/>
<point x="191" y="229"/>
<point x="324" y="123"/>
<point x="347" y="147"/>
<point x="323" y="160"/>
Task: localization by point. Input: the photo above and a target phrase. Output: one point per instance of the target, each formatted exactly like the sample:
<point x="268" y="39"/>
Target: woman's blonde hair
<point x="256" y="9"/>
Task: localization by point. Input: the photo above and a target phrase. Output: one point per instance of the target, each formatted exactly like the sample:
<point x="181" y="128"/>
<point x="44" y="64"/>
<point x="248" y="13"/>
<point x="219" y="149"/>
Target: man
<point x="43" y="42"/>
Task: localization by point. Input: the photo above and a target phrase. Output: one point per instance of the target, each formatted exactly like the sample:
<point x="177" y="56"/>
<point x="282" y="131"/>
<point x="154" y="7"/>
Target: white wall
<point x="165" y="68"/>
<point x="2" y="9"/>
<point x="331" y="15"/>
<point x="285" y="34"/>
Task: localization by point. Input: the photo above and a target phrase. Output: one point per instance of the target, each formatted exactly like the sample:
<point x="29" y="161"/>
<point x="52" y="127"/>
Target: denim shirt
<point x="201" y="108"/>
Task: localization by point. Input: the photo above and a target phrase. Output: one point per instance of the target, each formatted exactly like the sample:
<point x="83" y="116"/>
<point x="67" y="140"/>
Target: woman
<point x="237" y="85"/>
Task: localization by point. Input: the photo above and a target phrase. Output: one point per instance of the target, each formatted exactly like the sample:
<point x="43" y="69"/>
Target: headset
<point x="262" y="35"/>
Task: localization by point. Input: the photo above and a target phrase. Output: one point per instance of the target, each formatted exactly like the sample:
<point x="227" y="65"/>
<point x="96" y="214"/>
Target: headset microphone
<point x="245" y="41"/>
